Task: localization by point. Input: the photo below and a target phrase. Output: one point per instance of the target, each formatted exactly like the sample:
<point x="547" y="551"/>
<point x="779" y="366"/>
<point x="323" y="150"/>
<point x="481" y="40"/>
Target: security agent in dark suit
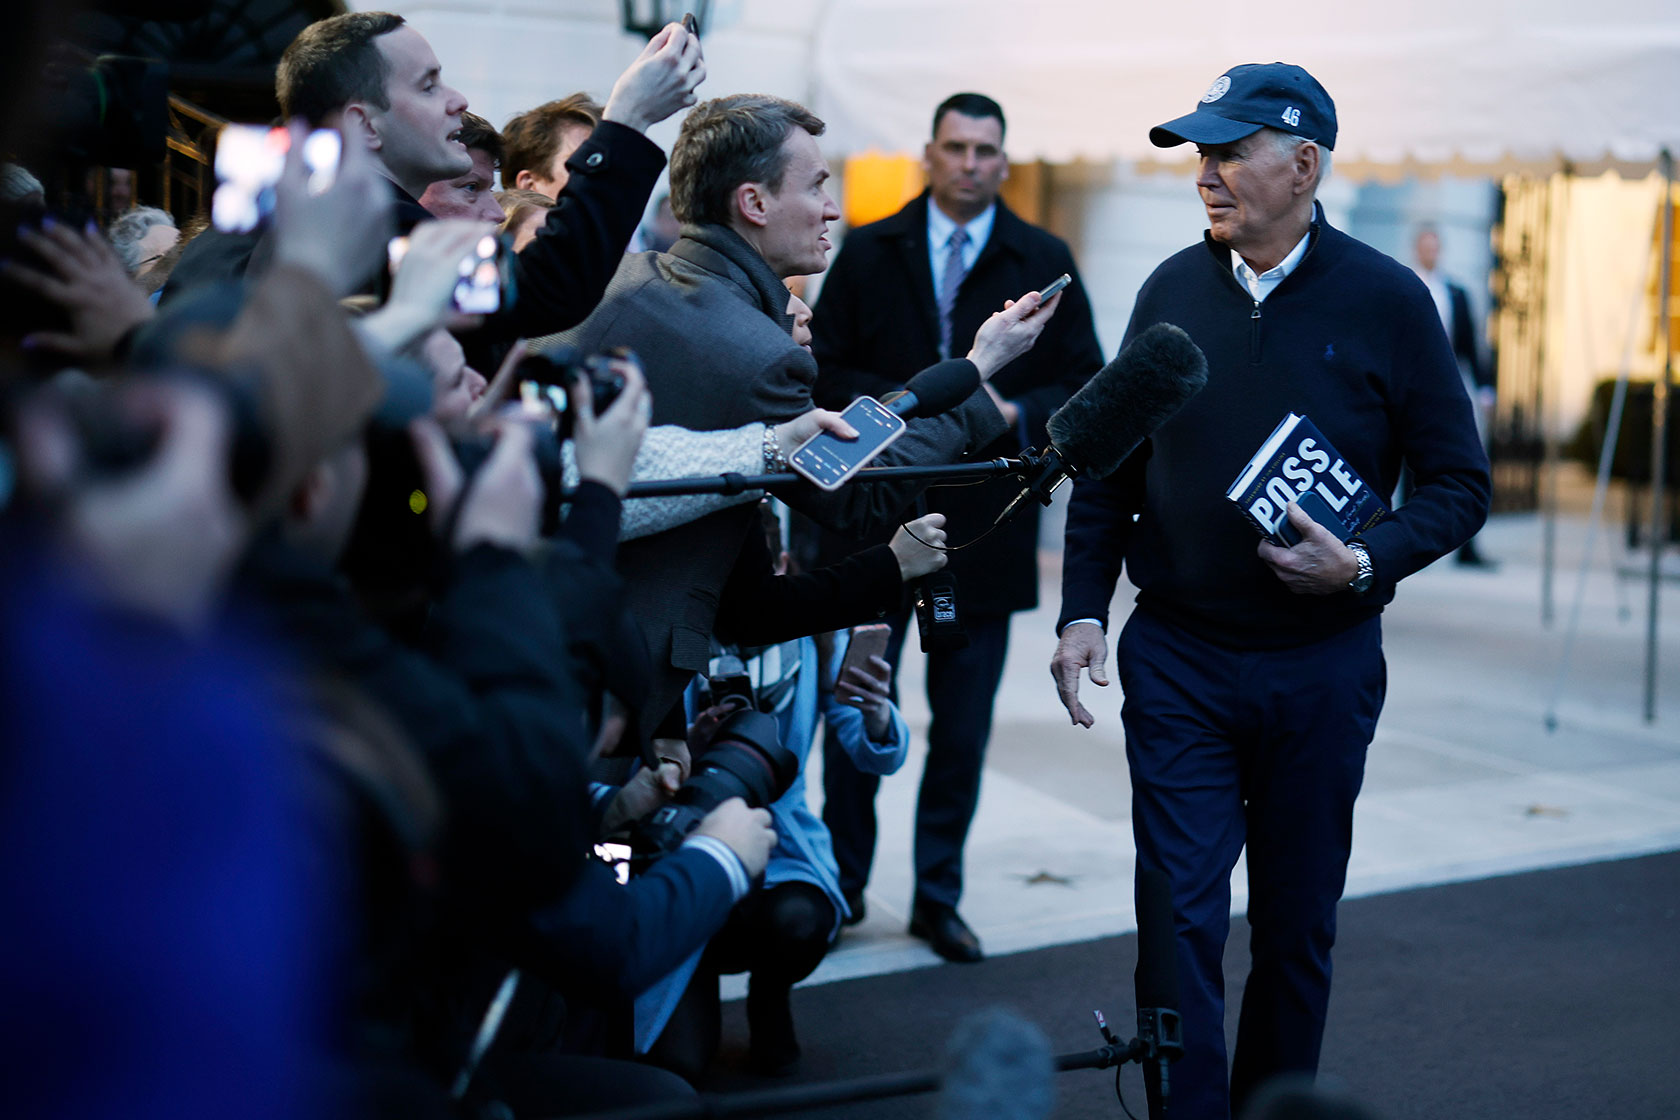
<point x="905" y="292"/>
<point x="1453" y="302"/>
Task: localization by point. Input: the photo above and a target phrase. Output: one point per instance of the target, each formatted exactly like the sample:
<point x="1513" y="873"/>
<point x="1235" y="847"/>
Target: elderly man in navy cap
<point x="1253" y="673"/>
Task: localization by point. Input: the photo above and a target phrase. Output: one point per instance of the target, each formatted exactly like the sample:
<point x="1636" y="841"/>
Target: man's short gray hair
<point x="1287" y="142"/>
<point x="729" y="141"/>
<point x="125" y="233"/>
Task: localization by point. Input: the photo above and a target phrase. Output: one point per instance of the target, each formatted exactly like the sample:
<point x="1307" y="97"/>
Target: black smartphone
<point x="829" y="461"/>
<point x="1048" y="292"/>
<point x="249" y="159"/>
<point x="691" y="24"/>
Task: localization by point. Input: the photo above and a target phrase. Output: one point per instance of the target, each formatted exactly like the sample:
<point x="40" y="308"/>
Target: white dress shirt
<point x="1260" y="285"/>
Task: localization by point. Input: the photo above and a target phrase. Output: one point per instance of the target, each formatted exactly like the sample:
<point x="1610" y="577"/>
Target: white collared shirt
<point x="1260" y="285"/>
<point x="1437" y="285"/>
<point x="940" y="228"/>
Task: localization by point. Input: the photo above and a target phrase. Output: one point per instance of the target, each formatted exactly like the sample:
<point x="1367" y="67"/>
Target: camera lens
<point x="745" y="760"/>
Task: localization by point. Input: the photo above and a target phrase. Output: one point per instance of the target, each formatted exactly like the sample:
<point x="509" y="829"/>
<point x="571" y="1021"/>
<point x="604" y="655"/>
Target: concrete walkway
<point x="1464" y="780"/>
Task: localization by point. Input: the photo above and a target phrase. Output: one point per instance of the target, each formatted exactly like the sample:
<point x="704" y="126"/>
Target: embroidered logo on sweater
<point x="1330" y="352"/>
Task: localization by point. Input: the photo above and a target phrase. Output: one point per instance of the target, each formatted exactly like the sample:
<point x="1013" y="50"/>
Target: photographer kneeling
<point x="782" y="931"/>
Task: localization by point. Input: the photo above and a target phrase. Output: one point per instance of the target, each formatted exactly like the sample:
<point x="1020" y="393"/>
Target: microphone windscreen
<point x="1130" y="397"/>
<point x="938" y="389"/>
<point x="998" y="1066"/>
<point x="1157" y="962"/>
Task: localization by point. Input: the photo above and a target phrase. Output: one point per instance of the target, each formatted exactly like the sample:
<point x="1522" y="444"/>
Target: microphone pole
<point x="799" y="1099"/>
<point x="733" y="483"/>
<point x="1160" y="1028"/>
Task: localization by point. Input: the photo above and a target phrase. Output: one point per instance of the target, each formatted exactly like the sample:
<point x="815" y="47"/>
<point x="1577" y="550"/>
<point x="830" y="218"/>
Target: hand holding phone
<point x="828" y="461"/>
<point x="865" y="681"/>
<point x="481" y="274"/>
<point x="868" y="640"/>
<point x="249" y="161"/>
<point x="1050" y="290"/>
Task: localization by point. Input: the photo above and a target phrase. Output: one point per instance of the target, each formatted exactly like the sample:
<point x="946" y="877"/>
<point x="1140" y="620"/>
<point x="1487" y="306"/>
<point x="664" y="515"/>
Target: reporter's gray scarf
<point x="721" y="250"/>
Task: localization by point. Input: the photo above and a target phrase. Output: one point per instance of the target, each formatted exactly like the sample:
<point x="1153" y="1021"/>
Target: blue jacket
<point x="803" y="852"/>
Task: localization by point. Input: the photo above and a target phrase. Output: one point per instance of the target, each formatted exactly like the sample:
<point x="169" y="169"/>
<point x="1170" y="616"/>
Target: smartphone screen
<point x="249" y="159"/>
<point x="479" y="289"/>
<point x="828" y="460"/>
<point x="538" y="401"/>
<point x="483" y="273"/>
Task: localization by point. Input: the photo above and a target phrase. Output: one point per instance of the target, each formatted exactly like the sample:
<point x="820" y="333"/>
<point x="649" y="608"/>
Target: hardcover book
<point x="1297" y="464"/>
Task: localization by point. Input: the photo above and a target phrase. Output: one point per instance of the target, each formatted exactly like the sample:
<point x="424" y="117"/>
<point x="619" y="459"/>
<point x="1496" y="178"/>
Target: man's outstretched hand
<point x="1011" y="332"/>
<point x="1083" y="646"/>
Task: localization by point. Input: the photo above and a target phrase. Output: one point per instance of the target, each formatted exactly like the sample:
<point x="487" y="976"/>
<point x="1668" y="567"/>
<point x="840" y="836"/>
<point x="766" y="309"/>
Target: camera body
<point x="728" y="681"/>
<point x="391" y="546"/>
<point x="546" y="381"/>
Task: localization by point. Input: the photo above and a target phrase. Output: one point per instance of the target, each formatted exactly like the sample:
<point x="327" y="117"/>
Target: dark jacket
<point x="877" y="323"/>
<point x="1463" y="335"/>
<point x="1350" y="339"/>
<point x="491" y="704"/>
<point x="709" y="322"/>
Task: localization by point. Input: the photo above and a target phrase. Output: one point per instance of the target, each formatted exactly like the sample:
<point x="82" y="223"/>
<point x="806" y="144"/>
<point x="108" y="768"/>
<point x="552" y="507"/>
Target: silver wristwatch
<point x="1367" y="575"/>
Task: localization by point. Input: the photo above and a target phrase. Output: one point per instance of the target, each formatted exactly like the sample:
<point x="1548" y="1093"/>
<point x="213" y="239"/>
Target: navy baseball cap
<point x="1247" y="98"/>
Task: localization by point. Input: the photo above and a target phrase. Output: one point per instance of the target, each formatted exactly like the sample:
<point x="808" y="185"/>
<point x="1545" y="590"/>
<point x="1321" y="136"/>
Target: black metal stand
<point x="831" y="1094"/>
<point x="737" y="483"/>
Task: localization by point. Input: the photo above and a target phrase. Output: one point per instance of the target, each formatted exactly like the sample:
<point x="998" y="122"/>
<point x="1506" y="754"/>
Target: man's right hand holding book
<point x="1318" y="564"/>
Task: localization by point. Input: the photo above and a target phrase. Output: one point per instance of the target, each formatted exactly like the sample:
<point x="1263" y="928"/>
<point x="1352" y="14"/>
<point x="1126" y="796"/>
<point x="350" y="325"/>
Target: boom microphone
<point x="936" y="389"/>
<point x="1120" y="407"/>
<point x="1159" y="1027"/>
<point x="999" y="1066"/>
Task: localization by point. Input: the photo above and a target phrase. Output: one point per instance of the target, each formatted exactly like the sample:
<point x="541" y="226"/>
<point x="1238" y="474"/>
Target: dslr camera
<point x="391" y="544"/>
<point x="546" y="383"/>
<point x="745" y="759"/>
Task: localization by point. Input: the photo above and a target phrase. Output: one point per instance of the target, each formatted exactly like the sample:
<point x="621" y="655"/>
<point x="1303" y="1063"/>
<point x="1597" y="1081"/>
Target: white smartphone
<point x="483" y="273"/>
<point x="1048" y="292"/>
<point x="829" y="461"/>
<point x="249" y="159"/>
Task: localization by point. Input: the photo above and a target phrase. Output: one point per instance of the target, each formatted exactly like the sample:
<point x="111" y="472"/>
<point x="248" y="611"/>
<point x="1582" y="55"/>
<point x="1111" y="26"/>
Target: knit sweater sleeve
<point x="672" y="452"/>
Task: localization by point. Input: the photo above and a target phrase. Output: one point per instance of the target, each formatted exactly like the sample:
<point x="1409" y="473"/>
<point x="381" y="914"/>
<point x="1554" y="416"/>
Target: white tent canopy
<point x="1442" y="84"/>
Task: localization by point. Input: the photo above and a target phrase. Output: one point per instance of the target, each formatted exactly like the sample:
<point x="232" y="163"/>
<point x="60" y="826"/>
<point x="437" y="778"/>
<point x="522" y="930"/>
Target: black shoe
<point x="948" y="934"/>
<point x="854" y="903"/>
<point x="773" y="1048"/>
<point x="1469" y="557"/>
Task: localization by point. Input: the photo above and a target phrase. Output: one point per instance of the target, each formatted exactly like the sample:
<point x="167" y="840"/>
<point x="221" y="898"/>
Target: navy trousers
<point x="961" y="687"/>
<point x="1266" y="749"/>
